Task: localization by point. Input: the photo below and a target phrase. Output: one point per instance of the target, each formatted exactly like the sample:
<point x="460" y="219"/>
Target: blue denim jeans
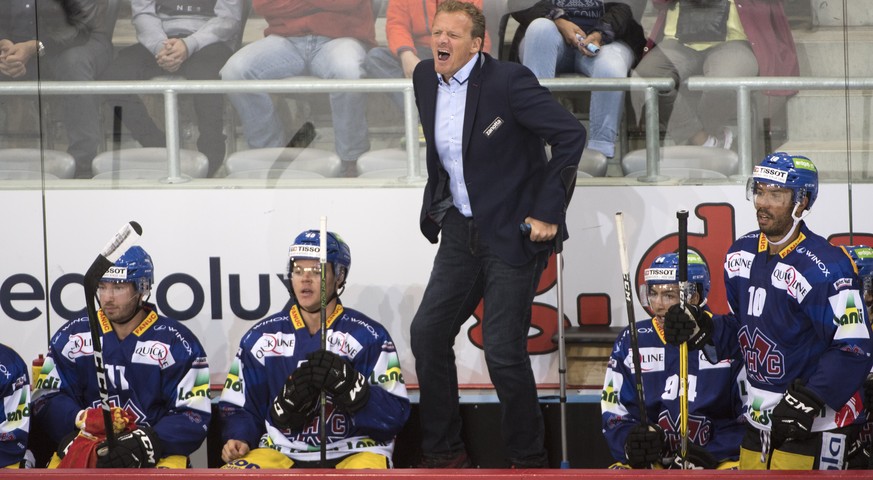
<point x="275" y="57"/>
<point x="464" y="271"/>
<point x="544" y="51"/>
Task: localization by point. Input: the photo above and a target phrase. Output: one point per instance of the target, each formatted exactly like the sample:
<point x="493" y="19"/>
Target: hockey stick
<point x="631" y="321"/>
<point x="124" y="239"/>
<point x="682" y="276"/>
<point x="322" y="254"/>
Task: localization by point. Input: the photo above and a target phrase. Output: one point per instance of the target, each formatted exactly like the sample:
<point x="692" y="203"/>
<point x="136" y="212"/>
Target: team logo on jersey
<point x="78" y="345"/>
<point x="786" y="277"/>
<point x="704" y="364"/>
<point x="699" y="429"/>
<point x="274" y="345"/>
<point x="847" y="317"/>
<point x="152" y="352"/>
<point x="764" y="361"/>
<point x="738" y="264"/>
<point x="842" y="283"/>
<point x="609" y="395"/>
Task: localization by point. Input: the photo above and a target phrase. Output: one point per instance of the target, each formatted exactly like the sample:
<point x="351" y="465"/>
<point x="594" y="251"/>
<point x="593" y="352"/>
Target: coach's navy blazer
<point x="507" y="118"/>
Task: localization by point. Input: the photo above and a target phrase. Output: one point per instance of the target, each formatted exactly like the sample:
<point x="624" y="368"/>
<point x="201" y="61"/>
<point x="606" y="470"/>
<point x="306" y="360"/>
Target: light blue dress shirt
<point x="449" y="132"/>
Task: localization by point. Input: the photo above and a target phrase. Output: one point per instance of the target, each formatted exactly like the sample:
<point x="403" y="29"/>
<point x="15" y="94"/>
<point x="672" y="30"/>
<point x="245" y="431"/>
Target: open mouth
<point x="442" y="55"/>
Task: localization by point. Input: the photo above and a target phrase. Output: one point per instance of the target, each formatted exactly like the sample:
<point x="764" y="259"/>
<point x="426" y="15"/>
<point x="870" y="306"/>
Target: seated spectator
<point x="715" y="408"/>
<point x="270" y="405"/>
<point x="15" y="410"/>
<point x="726" y="38"/>
<point x="157" y="376"/>
<point x="66" y="40"/>
<point x="307" y="37"/>
<point x="592" y="38"/>
<point x="407" y="29"/>
<point x="188" y="38"/>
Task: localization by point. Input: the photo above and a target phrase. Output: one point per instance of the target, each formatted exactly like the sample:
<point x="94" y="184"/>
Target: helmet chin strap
<point x="797" y="219"/>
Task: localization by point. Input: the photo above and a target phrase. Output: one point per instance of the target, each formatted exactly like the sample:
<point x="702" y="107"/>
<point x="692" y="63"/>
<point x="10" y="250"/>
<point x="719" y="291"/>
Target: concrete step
<point x="821" y="114"/>
<point x="821" y="51"/>
<point x="831" y="158"/>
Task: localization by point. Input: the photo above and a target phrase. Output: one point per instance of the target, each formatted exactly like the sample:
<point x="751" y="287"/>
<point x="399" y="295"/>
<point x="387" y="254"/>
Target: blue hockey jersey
<point x="715" y="419"/>
<point x="159" y="374"/>
<point x="15" y="392"/>
<point x="272" y="349"/>
<point x="798" y="314"/>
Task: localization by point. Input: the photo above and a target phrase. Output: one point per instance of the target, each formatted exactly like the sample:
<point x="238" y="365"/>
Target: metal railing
<point x="171" y="89"/>
<point x="744" y="86"/>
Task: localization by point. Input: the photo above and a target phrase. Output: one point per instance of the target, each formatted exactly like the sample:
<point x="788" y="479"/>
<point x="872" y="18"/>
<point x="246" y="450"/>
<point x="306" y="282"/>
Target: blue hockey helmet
<point x="784" y="170"/>
<point x="134" y="266"/>
<point x="665" y="268"/>
<point x="308" y="245"/>
<point x="862" y="255"/>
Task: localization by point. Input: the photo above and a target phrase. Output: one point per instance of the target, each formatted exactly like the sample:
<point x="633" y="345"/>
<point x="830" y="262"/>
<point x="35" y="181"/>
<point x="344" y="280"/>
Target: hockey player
<point x="270" y="403"/>
<point x="15" y="409"/>
<point x="715" y="423"/>
<point x="798" y="322"/>
<point x="862" y="255"/>
<point x="158" y="379"/>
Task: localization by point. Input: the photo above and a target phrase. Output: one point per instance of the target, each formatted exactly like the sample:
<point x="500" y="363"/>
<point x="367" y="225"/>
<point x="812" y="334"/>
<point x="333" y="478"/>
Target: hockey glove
<point x="644" y="446"/>
<point x="347" y="387"/>
<point x="793" y="416"/>
<point x="692" y="325"/>
<point x="293" y="407"/>
<point x="696" y="458"/>
<point x="139" y="448"/>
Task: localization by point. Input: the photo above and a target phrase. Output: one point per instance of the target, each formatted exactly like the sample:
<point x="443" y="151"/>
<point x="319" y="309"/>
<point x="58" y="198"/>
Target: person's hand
<point x="692" y="325"/>
<point x="174" y="53"/>
<point x="792" y="417"/>
<point x="347" y="387"/>
<point x="644" y="445"/>
<point x="90" y="421"/>
<point x="293" y="407"/>
<point x="138" y="448"/>
<point x="14" y="58"/>
<point x="408" y="61"/>
<point x="234" y="449"/>
<point x="596" y="38"/>
<point x="696" y="458"/>
<point x="569" y="30"/>
<point x="541" y="231"/>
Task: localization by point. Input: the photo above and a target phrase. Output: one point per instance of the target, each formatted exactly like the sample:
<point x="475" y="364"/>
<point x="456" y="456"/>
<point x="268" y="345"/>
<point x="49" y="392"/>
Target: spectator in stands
<point x="715" y="408"/>
<point x="157" y="376"/>
<point x="307" y="37"/>
<point x="407" y="29"/>
<point x="14" y="410"/>
<point x="796" y="319"/>
<point x="270" y="405"/>
<point x="592" y="38"/>
<point x="474" y="201"/>
<point x="188" y="38"/>
<point x="67" y="40"/>
<point x="727" y="38"/>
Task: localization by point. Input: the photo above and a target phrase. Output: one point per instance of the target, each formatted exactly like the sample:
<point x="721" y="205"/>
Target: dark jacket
<point x="58" y="24"/>
<point x="507" y="117"/>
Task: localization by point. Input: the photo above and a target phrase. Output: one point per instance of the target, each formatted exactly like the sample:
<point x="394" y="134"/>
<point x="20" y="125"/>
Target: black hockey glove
<point x="138" y="448"/>
<point x="347" y="387"/>
<point x="294" y="406"/>
<point x="644" y="446"/>
<point x="696" y="458"/>
<point x="692" y="325"/>
<point x="793" y="416"/>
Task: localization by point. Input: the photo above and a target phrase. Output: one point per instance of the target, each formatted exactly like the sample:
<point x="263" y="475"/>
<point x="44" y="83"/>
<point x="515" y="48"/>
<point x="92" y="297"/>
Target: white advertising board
<point x="219" y="253"/>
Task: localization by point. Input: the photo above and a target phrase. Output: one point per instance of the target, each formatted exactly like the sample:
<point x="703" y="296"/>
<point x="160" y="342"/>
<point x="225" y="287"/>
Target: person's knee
<point x="235" y="68"/>
<point x="540" y="28"/>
